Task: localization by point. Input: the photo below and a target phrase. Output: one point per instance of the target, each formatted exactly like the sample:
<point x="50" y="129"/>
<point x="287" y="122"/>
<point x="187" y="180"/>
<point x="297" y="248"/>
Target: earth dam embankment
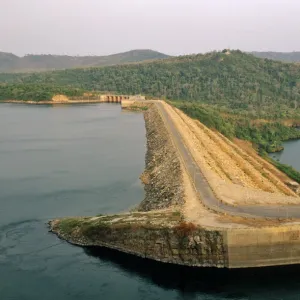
<point x="158" y="229"/>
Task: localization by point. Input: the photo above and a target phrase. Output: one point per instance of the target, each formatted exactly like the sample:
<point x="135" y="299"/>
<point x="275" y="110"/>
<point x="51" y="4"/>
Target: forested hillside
<point x="281" y="56"/>
<point x="12" y="63"/>
<point x="232" y="81"/>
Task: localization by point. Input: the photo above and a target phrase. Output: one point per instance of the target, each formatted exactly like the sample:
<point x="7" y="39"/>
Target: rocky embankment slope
<point x="162" y="176"/>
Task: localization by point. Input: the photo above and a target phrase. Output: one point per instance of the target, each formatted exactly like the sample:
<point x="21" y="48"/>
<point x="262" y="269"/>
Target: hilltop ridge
<point x="233" y="80"/>
<point x="44" y="62"/>
<point x="293" y="57"/>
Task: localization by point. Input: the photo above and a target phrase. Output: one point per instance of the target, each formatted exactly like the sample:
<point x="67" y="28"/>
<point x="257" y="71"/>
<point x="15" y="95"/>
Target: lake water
<point x="85" y="160"/>
<point x="290" y="155"/>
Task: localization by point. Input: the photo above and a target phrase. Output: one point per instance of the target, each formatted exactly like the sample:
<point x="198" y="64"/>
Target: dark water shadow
<point x="228" y="284"/>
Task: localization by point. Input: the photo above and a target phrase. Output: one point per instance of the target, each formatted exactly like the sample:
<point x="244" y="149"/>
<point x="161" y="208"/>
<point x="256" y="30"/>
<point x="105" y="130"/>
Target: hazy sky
<point x="171" y="26"/>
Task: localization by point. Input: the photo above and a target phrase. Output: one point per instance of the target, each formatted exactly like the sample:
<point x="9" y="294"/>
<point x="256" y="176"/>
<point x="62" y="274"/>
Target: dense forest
<point x="32" y="62"/>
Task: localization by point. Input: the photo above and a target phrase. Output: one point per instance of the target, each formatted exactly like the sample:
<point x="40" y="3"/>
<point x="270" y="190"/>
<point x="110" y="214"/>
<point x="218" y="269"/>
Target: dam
<point x="122" y="99"/>
<point x="190" y="216"/>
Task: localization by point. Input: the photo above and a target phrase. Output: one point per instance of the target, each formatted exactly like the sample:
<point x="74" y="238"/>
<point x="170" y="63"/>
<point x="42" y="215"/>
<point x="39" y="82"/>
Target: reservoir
<point x="82" y="160"/>
<point x="290" y="155"/>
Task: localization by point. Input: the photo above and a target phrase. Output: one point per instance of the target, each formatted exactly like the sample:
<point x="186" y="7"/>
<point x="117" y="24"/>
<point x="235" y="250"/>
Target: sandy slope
<point x="237" y="177"/>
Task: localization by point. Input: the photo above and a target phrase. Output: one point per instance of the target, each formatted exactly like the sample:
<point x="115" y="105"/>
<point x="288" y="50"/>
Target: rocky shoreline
<point x="160" y="236"/>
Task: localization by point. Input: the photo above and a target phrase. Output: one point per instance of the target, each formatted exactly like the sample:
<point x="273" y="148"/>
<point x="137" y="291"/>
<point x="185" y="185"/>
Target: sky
<point x="175" y="27"/>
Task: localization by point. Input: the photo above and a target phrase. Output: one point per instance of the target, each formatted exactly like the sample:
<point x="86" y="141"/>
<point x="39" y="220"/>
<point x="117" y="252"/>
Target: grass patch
<point x="288" y="170"/>
<point x="94" y="229"/>
<point x="175" y="216"/>
<point x="137" y="108"/>
<point x="67" y="226"/>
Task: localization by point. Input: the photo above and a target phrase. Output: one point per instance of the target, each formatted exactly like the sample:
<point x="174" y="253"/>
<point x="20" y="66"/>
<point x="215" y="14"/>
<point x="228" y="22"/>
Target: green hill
<point x="236" y="81"/>
<point x="29" y="63"/>
<point x="281" y="56"/>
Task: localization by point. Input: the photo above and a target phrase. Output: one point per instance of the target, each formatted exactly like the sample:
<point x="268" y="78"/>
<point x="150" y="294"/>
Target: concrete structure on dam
<point x="110" y="98"/>
<point x="114" y="98"/>
<point x="124" y="100"/>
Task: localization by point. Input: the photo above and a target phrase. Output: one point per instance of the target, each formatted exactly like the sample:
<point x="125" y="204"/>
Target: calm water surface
<point x="85" y="160"/>
<point x="290" y="155"/>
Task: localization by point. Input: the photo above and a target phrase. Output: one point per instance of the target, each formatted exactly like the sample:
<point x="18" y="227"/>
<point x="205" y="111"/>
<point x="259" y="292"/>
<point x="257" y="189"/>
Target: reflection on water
<point x="273" y="282"/>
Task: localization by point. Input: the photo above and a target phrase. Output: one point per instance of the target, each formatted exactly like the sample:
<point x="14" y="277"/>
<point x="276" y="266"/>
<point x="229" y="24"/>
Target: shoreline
<point x="43" y="102"/>
<point x="284" y="141"/>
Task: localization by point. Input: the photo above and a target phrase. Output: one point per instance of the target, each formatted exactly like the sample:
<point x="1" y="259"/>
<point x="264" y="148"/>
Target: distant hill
<point x="30" y="63"/>
<point x="233" y="80"/>
<point x="281" y="56"/>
